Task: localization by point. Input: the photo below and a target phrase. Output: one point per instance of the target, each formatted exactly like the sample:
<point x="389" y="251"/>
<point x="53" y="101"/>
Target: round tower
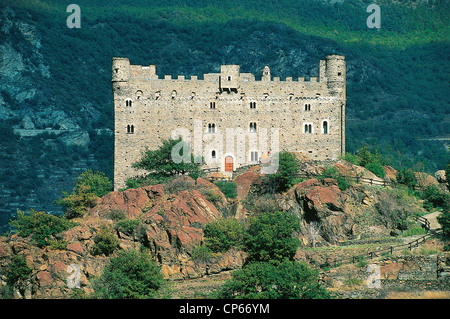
<point x="120" y="72"/>
<point x="335" y="74"/>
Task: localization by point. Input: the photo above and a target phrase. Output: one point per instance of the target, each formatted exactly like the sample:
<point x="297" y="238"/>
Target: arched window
<point x="325" y="127"/>
<point x="212" y="105"/>
<point x="211" y="128"/>
<point x="307" y="107"/>
<point x="252" y="127"/>
<point x="128" y="102"/>
<point x="130" y="129"/>
<point x="213" y="154"/>
<point x="253" y="105"/>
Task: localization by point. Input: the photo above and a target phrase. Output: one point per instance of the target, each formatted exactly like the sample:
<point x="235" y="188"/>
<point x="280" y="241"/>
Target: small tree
<point x="130" y="275"/>
<point x="97" y="181"/>
<point x="406" y="177"/>
<point x="224" y="234"/>
<point x="39" y="225"/>
<point x="264" y="280"/>
<point x="105" y="242"/>
<point x="171" y="159"/>
<point x="269" y="237"/>
<point x="284" y="178"/>
<point x="89" y="185"/>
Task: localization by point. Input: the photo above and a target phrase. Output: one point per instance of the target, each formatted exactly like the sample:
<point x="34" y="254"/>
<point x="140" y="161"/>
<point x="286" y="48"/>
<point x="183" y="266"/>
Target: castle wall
<point x="161" y="107"/>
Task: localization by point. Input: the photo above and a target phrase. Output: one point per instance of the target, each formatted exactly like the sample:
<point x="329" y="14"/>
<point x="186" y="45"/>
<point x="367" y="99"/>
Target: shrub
<point x="269" y="236"/>
<point x="434" y="197"/>
<point x="128" y="226"/>
<point x="39" y="225"/>
<point x="212" y="196"/>
<point x="130" y="275"/>
<point x="223" y="234"/>
<point x="376" y="168"/>
<point x="201" y="253"/>
<point x="227" y="188"/>
<point x="284" y="178"/>
<point x="77" y="203"/>
<point x="406" y="177"/>
<point x="105" y="242"/>
<point x="265" y="280"/>
<point x="333" y="172"/>
<point x="17" y="270"/>
<point x="96" y="181"/>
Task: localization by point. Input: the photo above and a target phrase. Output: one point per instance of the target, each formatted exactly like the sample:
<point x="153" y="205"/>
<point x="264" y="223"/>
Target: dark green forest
<point x="397" y="86"/>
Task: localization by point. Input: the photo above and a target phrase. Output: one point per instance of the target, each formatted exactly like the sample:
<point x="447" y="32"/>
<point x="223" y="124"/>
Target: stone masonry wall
<point x="218" y="113"/>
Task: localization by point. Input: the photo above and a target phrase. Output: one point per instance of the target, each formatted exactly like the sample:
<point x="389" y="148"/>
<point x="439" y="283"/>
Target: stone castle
<point x="230" y="118"/>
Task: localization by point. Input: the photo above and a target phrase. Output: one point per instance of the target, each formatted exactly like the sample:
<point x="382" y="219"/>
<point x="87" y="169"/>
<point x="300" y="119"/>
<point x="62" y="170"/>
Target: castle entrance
<point x="228" y="164"/>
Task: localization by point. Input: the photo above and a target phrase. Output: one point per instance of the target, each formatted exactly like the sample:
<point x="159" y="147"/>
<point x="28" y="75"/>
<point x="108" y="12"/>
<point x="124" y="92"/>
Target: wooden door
<point x="228" y="164"/>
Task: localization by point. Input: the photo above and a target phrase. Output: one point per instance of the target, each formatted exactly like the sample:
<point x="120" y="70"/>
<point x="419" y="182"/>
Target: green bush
<point x="227" y="188"/>
<point x="223" y="234"/>
<point x="285" y="176"/>
<point x="17" y="270"/>
<point x="130" y="275"/>
<point x="333" y="172"/>
<point x="39" y="225"/>
<point x="105" y="243"/>
<point x="265" y="280"/>
<point x="127" y="226"/>
<point x="96" y="181"/>
<point x="270" y="236"/>
<point x="434" y="197"/>
<point x="376" y="168"/>
<point x="212" y="196"/>
<point x="201" y="253"/>
<point x="77" y="203"/>
<point x="406" y="177"/>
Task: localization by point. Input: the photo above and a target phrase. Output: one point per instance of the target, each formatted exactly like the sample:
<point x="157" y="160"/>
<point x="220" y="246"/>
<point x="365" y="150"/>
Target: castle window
<point x="174" y="94"/>
<point x="254" y="156"/>
<point x="253" y="105"/>
<point x="212" y="105"/>
<point x="229" y="78"/>
<point x="130" y="129"/>
<point x="252" y="127"/>
<point x="128" y="102"/>
<point x="325" y="127"/>
<point x="339" y="73"/>
<point x="307" y="107"/>
<point x="308" y="128"/>
<point x="211" y="128"/>
<point x="213" y="154"/>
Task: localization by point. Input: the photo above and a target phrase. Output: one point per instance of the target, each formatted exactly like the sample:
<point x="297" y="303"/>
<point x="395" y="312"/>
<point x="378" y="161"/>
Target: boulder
<point x="440" y="176"/>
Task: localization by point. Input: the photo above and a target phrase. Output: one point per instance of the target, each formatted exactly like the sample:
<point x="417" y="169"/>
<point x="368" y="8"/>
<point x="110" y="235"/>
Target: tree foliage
<point x="42" y="227"/>
<point x="270" y="236"/>
<point x="265" y="280"/>
<point x="130" y="275"/>
<point x="284" y="177"/>
<point x="172" y="158"/>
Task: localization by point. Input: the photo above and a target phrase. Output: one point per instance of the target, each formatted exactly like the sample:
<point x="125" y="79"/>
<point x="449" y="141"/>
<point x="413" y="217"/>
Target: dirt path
<point x="432" y="218"/>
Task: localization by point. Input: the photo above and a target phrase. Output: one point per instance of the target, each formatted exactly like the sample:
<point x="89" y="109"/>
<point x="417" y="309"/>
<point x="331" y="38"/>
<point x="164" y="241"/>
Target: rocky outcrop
<point x="169" y="225"/>
<point x="322" y="202"/>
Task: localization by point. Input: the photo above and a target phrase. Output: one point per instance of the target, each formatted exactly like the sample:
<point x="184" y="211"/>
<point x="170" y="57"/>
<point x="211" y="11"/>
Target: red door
<point x="228" y="164"/>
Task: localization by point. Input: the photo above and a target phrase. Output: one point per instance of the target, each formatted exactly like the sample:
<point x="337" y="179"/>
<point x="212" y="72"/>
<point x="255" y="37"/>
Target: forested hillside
<point x="56" y="114"/>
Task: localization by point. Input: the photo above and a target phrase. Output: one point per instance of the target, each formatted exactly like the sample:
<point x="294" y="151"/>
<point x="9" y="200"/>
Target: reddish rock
<point x="45" y="279"/>
<point x="244" y="182"/>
